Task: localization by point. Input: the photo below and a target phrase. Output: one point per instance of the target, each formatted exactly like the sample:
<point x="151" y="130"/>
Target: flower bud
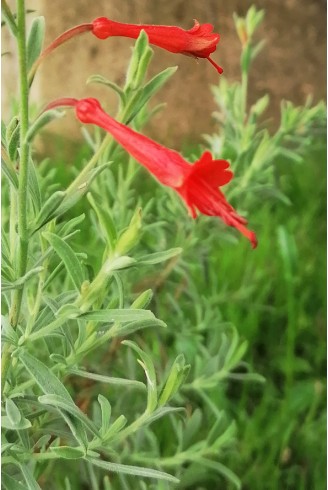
<point x="131" y="236"/>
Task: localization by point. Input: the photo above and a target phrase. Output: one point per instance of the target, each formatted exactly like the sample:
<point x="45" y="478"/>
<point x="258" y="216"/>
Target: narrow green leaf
<point x="120" y="289"/>
<point x="119" y="263"/>
<point x="11" y="127"/>
<point x="70" y="310"/>
<point x="45" y="317"/>
<point x="158" y="257"/>
<point x="131" y="236"/>
<point x="68" y="485"/>
<point x="192" y="427"/>
<point x="288" y="252"/>
<point x="161" y="412"/>
<point x="10" y="483"/>
<point x="34" y="188"/>
<point x="132" y="470"/>
<point x="292" y="155"/>
<point x="257" y="378"/>
<point x="145" y="57"/>
<point x="106" y="483"/>
<point x="19" y="283"/>
<point x="8" y="332"/>
<point x="44" y="377"/>
<point x="105" y="220"/>
<point x="106" y="411"/>
<point x="260" y="105"/>
<point x="8" y="18"/>
<point x="77" y="429"/>
<point x="6" y="446"/>
<point x="42" y="442"/>
<point x="143" y="300"/>
<point x="114" y="428"/>
<point x="124" y="315"/>
<point x="14" y="143"/>
<point x="70" y="225"/>
<point x="79" y="188"/>
<point x="41" y="121"/>
<point x="48" y="208"/>
<point x="3" y="134"/>
<point x="35" y="41"/>
<point x="88" y="139"/>
<point x="225" y="437"/>
<point x="150" y="89"/>
<point x="67" y="452"/>
<point x="31" y="482"/>
<point x="69" y="406"/>
<point x="13" y="412"/>
<point x="157" y="82"/>
<point x="8" y="169"/>
<point x="23" y="424"/>
<point x="148" y="367"/>
<point x="53" y="275"/>
<point x="141" y="45"/>
<point x="68" y="256"/>
<point x="108" y="379"/>
<point x="236" y="356"/>
<point x="104" y="81"/>
<point x="222" y="470"/>
<point x="258" y="48"/>
<point x="177" y="375"/>
<point x="131" y="327"/>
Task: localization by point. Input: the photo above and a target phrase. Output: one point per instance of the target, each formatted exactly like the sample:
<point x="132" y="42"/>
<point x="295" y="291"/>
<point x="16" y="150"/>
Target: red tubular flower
<point x="196" y="184"/>
<point x="199" y="41"/>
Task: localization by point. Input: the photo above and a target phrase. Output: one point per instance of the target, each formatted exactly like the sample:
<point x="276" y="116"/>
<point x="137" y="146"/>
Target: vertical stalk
<point x="23" y="163"/>
<point x="244" y="89"/>
<point x="244" y="64"/>
<point x="21" y="263"/>
<point x="12" y="223"/>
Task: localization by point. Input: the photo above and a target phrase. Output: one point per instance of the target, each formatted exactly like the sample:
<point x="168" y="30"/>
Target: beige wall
<point x="290" y="66"/>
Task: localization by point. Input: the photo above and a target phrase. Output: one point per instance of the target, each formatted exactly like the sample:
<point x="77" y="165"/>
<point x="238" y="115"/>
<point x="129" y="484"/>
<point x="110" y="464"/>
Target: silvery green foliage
<point x="84" y="391"/>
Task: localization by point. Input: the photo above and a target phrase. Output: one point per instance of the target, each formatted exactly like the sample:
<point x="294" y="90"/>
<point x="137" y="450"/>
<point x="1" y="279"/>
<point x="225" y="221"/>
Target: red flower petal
<point x="214" y="171"/>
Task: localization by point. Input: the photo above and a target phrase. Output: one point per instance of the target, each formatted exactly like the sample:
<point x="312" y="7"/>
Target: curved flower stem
<point x="22" y="182"/>
<point x="75" y="31"/>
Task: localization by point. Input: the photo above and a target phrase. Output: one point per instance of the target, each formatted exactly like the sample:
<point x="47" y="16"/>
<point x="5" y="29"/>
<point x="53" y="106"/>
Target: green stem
<point x="48" y="329"/>
<point x="12" y="223"/>
<point x="291" y="333"/>
<point x="244" y="89"/>
<point x="92" y="163"/>
<point x="171" y="461"/>
<point x="124" y="433"/>
<point x="38" y="298"/>
<point x="24" y="157"/>
<point x="22" y="181"/>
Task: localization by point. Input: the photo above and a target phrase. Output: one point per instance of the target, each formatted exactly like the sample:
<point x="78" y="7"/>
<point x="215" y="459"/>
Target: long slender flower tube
<point x="200" y="41"/>
<point x="197" y="184"/>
